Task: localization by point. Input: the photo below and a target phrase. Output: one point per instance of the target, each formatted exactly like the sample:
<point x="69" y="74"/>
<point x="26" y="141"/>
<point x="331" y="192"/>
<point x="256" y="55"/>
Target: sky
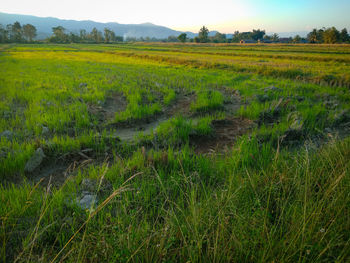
<point x="225" y="16"/>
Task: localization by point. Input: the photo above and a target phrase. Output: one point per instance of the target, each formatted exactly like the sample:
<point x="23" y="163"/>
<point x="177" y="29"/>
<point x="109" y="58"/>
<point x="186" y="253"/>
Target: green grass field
<point x="187" y="153"/>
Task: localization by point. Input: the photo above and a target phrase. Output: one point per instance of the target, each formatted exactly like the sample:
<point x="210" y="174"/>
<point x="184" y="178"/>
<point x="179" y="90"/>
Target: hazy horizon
<point x="224" y="16"/>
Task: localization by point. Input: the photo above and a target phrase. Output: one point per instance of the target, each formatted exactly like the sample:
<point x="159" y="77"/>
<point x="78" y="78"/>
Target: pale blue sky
<point x="223" y="15"/>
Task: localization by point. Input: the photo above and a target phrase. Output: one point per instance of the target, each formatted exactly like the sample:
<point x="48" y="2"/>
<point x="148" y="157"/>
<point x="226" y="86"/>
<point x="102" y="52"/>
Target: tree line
<point x="95" y="36"/>
<point x="16" y="33"/>
<point x="254" y="36"/>
<point x="325" y="35"/>
<point x="328" y="35"/>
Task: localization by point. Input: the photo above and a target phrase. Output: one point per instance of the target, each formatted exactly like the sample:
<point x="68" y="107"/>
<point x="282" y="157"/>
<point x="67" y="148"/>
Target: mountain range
<point x="44" y="27"/>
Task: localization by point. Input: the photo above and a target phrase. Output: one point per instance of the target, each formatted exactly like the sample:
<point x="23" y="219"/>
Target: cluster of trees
<point x="274" y="38"/>
<point x="17" y="33"/>
<point x="150" y="39"/>
<point x="328" y="35"/>
<point x="253" y="35"/>
<point x="203" y="36"/>
<point x="95" y="36"/>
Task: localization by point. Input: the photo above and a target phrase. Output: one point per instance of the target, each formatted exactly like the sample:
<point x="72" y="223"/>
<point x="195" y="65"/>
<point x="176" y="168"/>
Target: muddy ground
<point x="106" y="111"/>
<point x="225" y="133"/>
<point x="181" y="106"/>
<point x="56" y="171"/>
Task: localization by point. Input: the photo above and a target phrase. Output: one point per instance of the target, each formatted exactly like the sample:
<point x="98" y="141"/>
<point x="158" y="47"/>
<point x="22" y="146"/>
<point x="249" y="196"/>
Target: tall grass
<point x="200" y="209"/>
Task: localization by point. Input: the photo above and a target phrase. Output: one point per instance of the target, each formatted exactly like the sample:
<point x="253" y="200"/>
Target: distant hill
<point x="292" y="34"/>
<point x="44" y="26"/>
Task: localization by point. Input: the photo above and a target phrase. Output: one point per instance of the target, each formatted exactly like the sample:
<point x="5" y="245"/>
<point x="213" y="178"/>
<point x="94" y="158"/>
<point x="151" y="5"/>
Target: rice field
<point x="174" y="153"/>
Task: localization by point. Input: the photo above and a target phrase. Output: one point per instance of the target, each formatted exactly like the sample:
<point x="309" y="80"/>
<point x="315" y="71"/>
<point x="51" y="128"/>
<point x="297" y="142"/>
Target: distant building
<point x="248" y="41"/>
<point x="285" y="40"/>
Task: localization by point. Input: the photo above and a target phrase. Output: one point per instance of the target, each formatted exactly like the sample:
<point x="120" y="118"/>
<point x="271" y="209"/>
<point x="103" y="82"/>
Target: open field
<point x="175" y="153"/>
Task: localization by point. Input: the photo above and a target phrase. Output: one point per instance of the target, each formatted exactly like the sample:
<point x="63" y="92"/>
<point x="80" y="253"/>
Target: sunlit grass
<point x="278" y="193"/>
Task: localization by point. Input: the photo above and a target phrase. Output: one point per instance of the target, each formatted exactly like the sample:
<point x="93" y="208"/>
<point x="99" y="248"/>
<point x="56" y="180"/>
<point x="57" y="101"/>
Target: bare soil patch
<point x="128" y="130"/>
<point x="115" y="102"/>
<point x="51" y="172"/>
<point x="232" y="101"/>
<point x="225" y="134"/>
<point x="55" y="171"/>
<point x="181" y="106"/>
